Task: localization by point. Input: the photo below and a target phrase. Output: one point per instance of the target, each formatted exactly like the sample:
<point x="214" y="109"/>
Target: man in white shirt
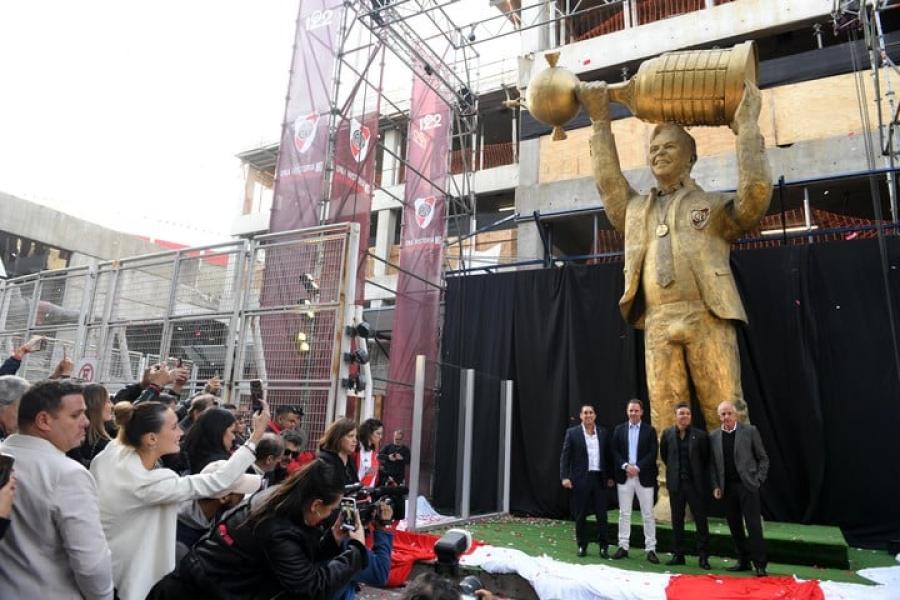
<point x="55" y="547"/>
<point x="634" y="447"/>
<point x="584" y="469"/>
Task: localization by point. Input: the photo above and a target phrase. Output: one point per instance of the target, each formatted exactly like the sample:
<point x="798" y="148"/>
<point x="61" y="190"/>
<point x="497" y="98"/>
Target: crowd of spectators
<point x="156" y="493"/>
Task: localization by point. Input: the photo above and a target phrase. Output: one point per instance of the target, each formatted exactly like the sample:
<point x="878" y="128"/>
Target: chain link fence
<point x="271" y="308"/>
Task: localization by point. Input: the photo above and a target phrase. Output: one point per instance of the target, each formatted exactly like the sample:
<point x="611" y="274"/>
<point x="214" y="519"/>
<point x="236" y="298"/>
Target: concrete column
<point x="537" y="39"/>
<point x="384" y="238"/>
<point x="390" y="167"/>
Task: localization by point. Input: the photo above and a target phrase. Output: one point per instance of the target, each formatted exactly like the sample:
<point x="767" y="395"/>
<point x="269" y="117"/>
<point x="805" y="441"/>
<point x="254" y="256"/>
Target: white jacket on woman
<point x="139" y="511"/>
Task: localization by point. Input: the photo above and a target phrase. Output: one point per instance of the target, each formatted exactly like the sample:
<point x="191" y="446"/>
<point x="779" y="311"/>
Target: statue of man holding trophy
<point x="679" y="287"/>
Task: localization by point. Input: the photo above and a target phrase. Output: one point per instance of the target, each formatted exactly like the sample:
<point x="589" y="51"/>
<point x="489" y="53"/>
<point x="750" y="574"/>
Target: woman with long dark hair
<point x="273" y="546"/>
<point x="99" y="414"/>
<point x="210" y="438"/>
<point x="336" y="447"/>
<point x="139" y="499"/>
<point x="366" y="456"/>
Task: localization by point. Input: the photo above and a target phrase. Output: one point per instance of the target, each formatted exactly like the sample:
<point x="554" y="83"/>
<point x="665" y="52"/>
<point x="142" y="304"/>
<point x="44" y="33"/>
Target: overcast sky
<point x="129" y="114"/>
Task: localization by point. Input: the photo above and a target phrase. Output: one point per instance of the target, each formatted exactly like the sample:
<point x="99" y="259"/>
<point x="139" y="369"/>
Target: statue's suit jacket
<point x="705" y="223"/>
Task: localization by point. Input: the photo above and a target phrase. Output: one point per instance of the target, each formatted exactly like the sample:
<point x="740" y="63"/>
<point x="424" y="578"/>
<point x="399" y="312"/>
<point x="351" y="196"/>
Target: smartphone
<point x="256" y="394"/>
<point x="42" y="345"/>
<point x="6" y="467"/>
<point x="348" y="514"/>
<point x="178" y="363"/>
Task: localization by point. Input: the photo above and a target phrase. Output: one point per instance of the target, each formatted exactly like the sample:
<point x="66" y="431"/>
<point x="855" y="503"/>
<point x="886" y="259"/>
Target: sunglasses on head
<point x="291" y="453"/>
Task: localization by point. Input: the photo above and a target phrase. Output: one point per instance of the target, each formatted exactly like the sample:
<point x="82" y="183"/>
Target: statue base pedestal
<point x="662" y="512"/>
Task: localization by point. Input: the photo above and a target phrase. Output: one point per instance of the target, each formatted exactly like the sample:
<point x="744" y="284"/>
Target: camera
<point x="469" y="585"/>
<point x="366" y="499"/>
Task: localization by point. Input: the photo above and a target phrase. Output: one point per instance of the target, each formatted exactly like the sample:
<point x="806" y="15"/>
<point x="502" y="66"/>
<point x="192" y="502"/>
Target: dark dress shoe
<point x="761" y="572"/>
<point x="582" y="550"/>
<point x="740" y="566"/>
<point x="620" y="553"/>
<point x="703" y="563"/>
<point x="604" y="553"/>
<point x="677" y="559"/>
<point x="652" y="558"/>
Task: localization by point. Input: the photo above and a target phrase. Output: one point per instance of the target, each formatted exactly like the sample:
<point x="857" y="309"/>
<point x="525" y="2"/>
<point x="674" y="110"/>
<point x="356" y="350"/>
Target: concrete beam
<point x="504" y="177"/>
<point x="803" y="160"/>
<point x="46" y="225"/>
<point x="734" y="20"/>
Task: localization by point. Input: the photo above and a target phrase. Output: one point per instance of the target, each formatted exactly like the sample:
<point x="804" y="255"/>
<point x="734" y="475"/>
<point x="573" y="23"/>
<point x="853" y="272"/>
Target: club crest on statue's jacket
<point x="424" y="211"/>
<point x="359" y="140"/>
<point x="305" y="128"/>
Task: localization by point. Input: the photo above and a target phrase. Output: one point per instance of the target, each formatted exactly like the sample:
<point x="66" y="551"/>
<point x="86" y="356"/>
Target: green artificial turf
<point x="556" y="539"/>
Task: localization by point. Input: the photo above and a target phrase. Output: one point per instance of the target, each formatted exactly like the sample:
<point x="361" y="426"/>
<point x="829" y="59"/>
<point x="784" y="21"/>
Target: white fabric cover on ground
<point x="887" y="577"/>
<point x="426" y="516"/>
<point x="557" y="580"/>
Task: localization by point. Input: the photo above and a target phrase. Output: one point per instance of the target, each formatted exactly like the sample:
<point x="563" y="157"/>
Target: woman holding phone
<point x="139" y="499"/>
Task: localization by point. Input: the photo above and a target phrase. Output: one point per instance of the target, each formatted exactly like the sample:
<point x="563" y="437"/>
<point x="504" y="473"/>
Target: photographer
<point x="431" y="586"/>
<point x="273" y="546"/>
<point x="379" y="567"/>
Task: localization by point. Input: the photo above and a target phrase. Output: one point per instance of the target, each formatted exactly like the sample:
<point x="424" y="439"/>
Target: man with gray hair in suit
<point x="738" y="467"/>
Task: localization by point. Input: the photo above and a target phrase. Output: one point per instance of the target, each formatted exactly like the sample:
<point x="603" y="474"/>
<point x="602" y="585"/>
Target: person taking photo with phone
<point x="139" y="499"/>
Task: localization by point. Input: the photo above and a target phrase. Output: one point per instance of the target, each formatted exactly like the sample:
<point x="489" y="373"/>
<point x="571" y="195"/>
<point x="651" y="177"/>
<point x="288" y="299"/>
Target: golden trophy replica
<point x="697" y="87"/>
<point x="679" y="287"/>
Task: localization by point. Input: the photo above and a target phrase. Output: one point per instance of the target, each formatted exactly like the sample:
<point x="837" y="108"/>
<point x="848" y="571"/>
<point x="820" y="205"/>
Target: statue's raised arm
<point x="754" y="189"/>
<point x="615" y="191"/>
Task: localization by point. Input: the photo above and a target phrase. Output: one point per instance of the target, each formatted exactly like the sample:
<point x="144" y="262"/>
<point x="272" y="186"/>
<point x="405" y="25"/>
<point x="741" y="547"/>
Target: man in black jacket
<point x="393" y="459"/>
<point x="685" y="452"/>
<point x="583" y="468"/>
<point x="634" y="448"/>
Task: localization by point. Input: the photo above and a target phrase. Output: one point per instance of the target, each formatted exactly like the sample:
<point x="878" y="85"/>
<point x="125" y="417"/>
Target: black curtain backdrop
<point x="817" y="368"/>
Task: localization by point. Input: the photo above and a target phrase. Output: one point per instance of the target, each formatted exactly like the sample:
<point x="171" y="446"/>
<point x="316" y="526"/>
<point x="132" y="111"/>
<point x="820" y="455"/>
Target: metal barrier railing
<point x="236" y="310"/>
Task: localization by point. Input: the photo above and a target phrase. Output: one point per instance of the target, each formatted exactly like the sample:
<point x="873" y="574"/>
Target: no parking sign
<point x="86" y="370"/>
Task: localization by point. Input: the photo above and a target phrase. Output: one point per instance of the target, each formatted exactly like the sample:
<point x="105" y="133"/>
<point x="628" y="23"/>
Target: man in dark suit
<point x="634" y="448"/>
<point x="739" y="466"/>
<point x="685" y="452"/>
<point x="583" y="468"/>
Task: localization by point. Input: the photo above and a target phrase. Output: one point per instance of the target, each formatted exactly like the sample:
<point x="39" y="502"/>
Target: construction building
<point x="828" y="116"/>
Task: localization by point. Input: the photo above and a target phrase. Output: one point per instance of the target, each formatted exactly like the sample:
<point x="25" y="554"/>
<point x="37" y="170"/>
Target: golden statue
<point x="679" y="287"/>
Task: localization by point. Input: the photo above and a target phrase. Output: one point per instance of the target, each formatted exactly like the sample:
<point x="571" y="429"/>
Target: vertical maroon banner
<point x="298" y="193"/>
<point x="300" y="172"/>
<point x="353" y="183"/>
<point x="416" y="312"/>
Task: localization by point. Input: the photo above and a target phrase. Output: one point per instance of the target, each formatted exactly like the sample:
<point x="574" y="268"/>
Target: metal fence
<point x="271" y="308"/>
